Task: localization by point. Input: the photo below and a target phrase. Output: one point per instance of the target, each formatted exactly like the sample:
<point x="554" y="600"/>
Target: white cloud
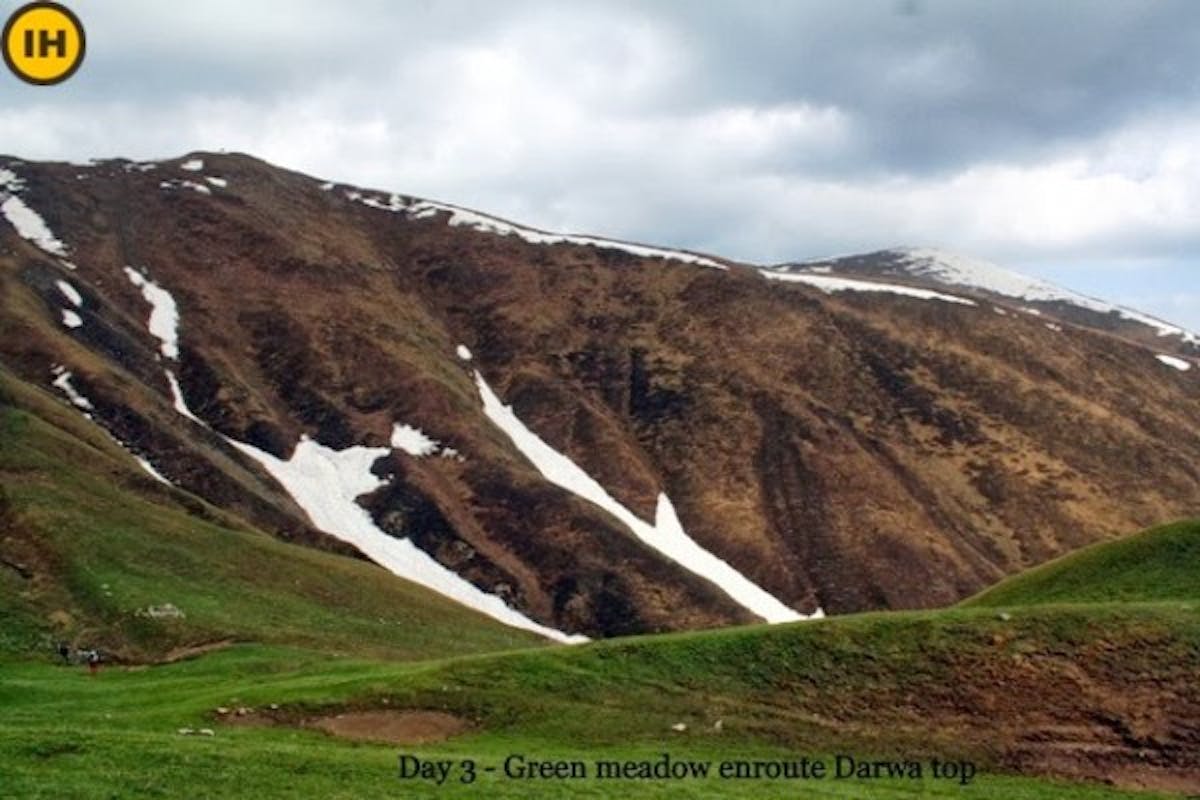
<point x="599" y="119"/>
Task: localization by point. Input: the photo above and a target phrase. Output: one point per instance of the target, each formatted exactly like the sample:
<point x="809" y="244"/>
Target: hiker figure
<point x="64" y="652"/>
<point x="93" y="662"/>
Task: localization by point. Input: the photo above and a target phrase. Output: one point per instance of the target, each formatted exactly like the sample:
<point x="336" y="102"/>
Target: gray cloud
<point x="1039" y="134"/>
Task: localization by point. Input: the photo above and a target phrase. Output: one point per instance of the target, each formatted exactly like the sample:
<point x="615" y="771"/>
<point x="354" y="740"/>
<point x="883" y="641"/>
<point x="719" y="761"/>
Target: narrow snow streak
<point x="423" y="209"/>
<point x="70" y="292"/>
<point x="164" y="313"/>
<point x="192" y="165"/>
<point x="326" y="482"/>
<point x="463" y="353"/>
<point x="667" y="535"/>
<point x="830" y="284"/>
<point x="177" y="398"/>
<point x="413" y="441"/>
<point x="63" y="382"/>
<point x="1176" y="363"/>
<point x="70" y="319"/>
<point x="149" y="468"/>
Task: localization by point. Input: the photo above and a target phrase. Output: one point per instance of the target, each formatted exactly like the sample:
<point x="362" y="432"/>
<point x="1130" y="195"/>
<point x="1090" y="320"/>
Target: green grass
<point x="1158" y="564"/>
<point x="63" y="733"/>
<point x="106" y="542"/>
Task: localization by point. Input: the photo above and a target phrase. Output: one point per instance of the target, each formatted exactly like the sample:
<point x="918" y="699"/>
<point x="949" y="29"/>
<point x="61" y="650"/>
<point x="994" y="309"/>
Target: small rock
<point x="274" y="706"/>
<point x="185" y="731"/>
<point x="242" y="711"/>
<point x="719" y="725"/>
<point x="222" y="710"/>
<point x="679" y="727"/>
<point x="1004" y="616"/>
<point x="165" y="611"/>
<point x="206" y="732"/>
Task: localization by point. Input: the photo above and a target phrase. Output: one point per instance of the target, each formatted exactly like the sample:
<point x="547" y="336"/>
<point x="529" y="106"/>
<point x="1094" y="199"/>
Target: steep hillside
<point x="98" y="554"/>
<point x="1157" y="565"/>
<point x="689" y="443"/>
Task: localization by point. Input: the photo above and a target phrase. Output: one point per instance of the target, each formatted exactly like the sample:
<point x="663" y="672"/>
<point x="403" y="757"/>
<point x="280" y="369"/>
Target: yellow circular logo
<point x="43" y="43"/>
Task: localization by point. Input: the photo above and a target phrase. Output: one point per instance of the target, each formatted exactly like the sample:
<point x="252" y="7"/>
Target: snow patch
<point x="463" y="353"/>
<point x="1175" y="363"/>
<point x="830" y="284"/>
<point x="326" y="482"/>
<point x="413" y="441"/>
<point x="192" y="165"/>
<point x="175" y="184"/>
<point x="1052" y="326"/>
<point x="667" y="535"/>
<point x="220" y="183"/>
<point x="63" y="382"/>
<point x="11" y="181"/>
<point x="957" y="270"/>
<point x="70" y="319"/>
<point x="164" y="313"/>
<point x="31" y="227"/>
<point x="70" y="292"/>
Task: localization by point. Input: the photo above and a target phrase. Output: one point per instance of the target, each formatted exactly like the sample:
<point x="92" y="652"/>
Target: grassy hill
<point x="957" y="685"/>
<point x="89" y="543"/>
<point x="1157" y="565"/>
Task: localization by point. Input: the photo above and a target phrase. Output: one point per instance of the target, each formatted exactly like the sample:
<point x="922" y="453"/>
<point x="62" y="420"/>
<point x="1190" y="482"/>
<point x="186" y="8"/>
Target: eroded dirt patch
<point x="393" y="727"/>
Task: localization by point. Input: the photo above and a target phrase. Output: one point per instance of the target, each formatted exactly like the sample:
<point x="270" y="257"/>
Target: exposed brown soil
<point x="392" y="727"/>
<point x="196" y="650"/>
<point x="1125" y="712"/>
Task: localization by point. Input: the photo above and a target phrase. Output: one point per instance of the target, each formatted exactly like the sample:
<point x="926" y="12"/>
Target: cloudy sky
<point x="1062" y="138"/>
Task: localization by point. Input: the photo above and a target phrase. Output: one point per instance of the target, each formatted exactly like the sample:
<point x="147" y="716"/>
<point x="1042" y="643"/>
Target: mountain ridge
<point x="840" y="451"/>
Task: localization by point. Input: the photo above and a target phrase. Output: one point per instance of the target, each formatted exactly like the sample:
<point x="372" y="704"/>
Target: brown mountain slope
<point x="847" y="451"/>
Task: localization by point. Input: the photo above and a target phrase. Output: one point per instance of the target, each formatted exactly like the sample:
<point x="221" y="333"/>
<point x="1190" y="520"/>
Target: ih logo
<point x="43" y="43"/>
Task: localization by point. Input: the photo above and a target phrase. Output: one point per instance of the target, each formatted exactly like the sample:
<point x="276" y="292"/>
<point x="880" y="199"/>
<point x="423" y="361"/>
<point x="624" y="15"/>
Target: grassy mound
<point x="958" y="685"/>
<point x="1161" y="564"/>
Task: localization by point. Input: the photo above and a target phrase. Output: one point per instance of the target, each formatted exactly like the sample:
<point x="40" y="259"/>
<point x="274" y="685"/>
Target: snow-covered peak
<point x="958" y="270"/>
<point x="953" y="269"/>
